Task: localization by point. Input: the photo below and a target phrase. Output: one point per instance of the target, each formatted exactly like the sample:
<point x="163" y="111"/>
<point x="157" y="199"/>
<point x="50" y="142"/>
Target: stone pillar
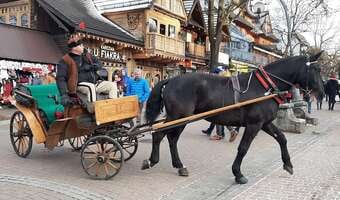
<point x="300" y="108"/>
<point x="286" y="120"/>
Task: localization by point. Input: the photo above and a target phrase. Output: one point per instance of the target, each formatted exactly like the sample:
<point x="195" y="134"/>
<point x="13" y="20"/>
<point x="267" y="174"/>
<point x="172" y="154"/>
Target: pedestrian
<point x="319" y="100"/>
<point x="220" y="128"/>
<point x="77" y="71"/>
<point x="49" y="78"/>
<point x="36" y="80"/>
<point x="307" y="97"/>
<point x="140" y="87"/>
<point x="126" y="79"/>
<point x="220" y="132"/>
<point x="331" y="89"/>
<point x="120" y="84"/>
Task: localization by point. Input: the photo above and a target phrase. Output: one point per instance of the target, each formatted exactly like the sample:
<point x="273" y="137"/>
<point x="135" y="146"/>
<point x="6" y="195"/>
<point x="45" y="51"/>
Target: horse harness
<point x="268" y="83"/>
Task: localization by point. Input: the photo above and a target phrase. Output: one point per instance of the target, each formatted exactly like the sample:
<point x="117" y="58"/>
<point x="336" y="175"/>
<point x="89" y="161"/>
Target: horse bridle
<point x="307" y="90"/>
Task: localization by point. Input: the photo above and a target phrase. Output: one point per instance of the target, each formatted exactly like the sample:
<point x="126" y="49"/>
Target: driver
<point x="77" y="71"/>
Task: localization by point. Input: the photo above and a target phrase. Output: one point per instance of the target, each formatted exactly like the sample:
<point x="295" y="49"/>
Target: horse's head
<point x="310" y="77"/>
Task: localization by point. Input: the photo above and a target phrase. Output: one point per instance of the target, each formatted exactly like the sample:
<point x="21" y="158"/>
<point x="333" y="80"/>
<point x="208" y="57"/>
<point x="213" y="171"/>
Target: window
<point x="162" y="29"/>
<point x="2" y="19"/>
<point x="13" y="20"/>
<point x="24" y="20"/>
<point x="152" y="25"/>
<point x="172" y="31"/>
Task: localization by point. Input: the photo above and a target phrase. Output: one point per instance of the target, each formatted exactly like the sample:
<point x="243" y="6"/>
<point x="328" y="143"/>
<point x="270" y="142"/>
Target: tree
<point x="225" y="15"/>
<point x="323" y="33"/>
<point x="294" y="17"/>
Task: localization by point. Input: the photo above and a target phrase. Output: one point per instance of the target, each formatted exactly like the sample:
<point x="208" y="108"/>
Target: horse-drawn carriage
<point x="101" y="136"/>
<point x="108" y="134"/>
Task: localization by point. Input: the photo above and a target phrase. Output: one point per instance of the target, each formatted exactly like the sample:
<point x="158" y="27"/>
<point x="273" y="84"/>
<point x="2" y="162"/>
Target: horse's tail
<point x="155" y="104"/>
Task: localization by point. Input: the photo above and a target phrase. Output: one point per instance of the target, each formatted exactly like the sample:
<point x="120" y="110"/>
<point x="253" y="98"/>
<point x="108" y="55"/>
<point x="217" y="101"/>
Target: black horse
<point x="195" y="93"/>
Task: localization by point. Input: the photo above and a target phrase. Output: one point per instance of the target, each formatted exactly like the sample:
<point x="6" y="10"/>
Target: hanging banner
<point x="26" y="66"/>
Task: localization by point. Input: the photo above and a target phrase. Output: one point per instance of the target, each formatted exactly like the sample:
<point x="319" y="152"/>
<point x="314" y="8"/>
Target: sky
<point x="335" y="19"/>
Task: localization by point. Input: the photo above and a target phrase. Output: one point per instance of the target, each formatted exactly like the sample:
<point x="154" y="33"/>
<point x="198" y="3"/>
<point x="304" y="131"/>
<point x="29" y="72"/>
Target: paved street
<point x="59" y="175"/>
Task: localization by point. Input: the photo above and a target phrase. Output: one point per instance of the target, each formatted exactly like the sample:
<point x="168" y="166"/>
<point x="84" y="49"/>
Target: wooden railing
<point x="155" y="41"/>
<point x="195" y="49"/>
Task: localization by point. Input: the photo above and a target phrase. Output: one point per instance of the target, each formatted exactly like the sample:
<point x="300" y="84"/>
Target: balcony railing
<point x="155" y="41"/>
<point x="245" y="56"/>
<point x="195" y="49"/>
<point x="238" y="54"/>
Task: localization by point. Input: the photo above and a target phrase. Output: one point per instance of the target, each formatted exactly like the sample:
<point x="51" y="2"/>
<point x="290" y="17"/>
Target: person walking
<point x="220" y="128"/>
<point x="331" y="90"/>
<point x="319" y="100"/>
<point x="140" y="87"/>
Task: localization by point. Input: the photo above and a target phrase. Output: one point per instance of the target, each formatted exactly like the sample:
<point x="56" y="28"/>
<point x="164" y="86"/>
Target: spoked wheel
<point x="77" y="142"/>
<point x="129" y="146"/>
<point x="102" y="157"/>
<point x="20" y="134"/>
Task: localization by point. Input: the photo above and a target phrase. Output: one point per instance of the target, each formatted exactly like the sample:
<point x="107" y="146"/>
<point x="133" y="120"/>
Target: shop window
<point x="24" y="21"/>
<point x="172" y="31"/>
<point x="13" y="20"/>
<point x="162" y="28"/>
<point x="152" y="26"/>
<point x="2" y="19"/>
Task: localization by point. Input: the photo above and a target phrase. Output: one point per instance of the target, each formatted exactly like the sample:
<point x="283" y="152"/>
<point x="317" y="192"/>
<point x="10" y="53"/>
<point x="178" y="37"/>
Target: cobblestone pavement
<point x="58" y="174"/>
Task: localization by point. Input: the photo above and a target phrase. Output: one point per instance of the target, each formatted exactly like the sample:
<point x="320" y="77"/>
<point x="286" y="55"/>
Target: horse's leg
<point x="247" y="138"/>
<point x="176" y="161"/>
<point x="157" y="137"/>
<point x="273" y="131"/>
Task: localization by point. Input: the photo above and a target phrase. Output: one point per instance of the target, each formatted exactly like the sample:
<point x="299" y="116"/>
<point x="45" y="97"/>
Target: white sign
<point x="223" y="58"/>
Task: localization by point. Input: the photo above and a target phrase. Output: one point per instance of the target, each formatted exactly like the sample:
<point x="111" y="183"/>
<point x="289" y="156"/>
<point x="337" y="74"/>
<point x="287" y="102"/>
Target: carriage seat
<point x="47" y="98"/>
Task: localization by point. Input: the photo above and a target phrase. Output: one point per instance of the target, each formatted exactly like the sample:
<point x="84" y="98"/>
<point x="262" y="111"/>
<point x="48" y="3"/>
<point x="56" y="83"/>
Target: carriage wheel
<point x="77" y="142"/>
<point x="20" y="134"/>
<point x="102" y="157"/>
<point x="129" y="145"/>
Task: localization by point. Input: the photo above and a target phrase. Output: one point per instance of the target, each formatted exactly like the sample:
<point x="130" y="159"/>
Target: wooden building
<point x="196" y="35"/>
<point x="111" y="43"/>
<point x="156" y="22"/>
<point x="16" y="13"/>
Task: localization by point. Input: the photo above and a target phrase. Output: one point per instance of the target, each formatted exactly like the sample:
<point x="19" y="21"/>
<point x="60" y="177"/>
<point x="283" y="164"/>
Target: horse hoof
<point x="183" y="172"/>
<point x="241" y="180"/>
<point x="146" y="164"/>
<point x="289" y="169"/>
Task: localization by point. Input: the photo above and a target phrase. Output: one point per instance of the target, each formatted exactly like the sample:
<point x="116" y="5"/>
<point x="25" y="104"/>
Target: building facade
<point x="157" y="23"/>
<point x="17" y="13"/>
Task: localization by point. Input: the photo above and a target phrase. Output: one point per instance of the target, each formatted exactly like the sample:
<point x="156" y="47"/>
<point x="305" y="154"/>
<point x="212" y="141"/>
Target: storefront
<point x="107" y="53"/>
<point x="241" y="67"/>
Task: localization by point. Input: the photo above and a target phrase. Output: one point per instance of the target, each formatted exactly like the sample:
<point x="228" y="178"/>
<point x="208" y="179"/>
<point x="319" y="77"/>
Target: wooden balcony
<point x="160" y="44"/>
<point x="195" y="49"/>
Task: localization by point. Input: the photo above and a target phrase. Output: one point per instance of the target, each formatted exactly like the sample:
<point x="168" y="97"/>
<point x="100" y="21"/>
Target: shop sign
<point x="107" y="52"/>
<point x="5" y="64"/>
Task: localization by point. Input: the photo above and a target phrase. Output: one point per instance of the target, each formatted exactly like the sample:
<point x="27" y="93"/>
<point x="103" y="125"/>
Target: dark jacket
<point x="332" y="87"/>
<point x="87" y="71"/>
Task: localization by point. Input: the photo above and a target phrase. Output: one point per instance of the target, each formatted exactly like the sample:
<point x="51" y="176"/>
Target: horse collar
<point x="267" y="83"/>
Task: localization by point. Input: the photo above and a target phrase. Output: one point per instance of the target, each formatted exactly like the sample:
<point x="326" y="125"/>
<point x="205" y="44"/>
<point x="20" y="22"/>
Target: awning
<point x="28" y="45"/>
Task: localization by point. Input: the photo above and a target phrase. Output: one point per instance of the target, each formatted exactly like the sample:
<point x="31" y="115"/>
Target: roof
<point x="301" y="39"/>
<point x="188" y="5"/>
<point x="270" y="48"/>
<point x="74" y="12"/>
<point x="28" y="45"/>
<point x="121" y="5"/>
<point x="236" y="18"/>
